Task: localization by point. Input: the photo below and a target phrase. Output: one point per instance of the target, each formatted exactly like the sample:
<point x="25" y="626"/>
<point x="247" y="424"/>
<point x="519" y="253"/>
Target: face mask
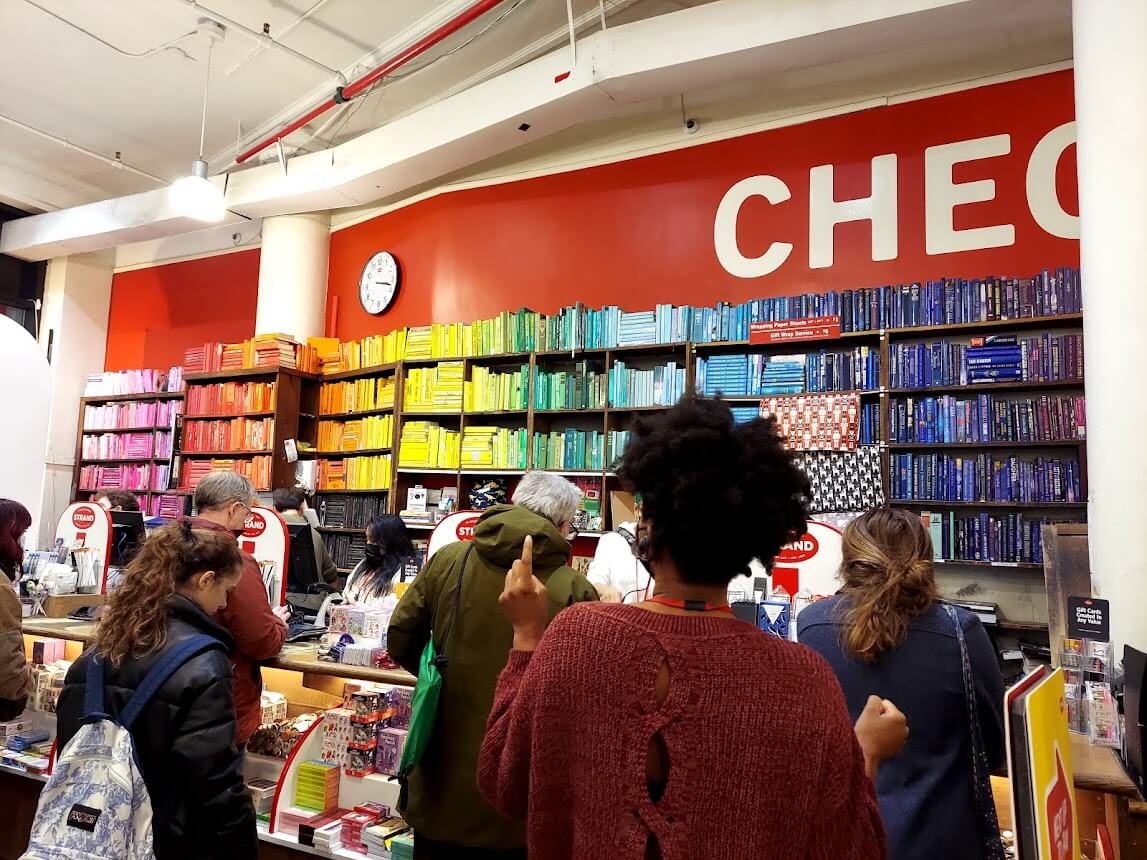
<point x="373" y="552"/>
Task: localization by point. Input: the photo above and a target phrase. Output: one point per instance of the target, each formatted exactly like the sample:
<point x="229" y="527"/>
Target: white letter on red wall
<point x="942" y="195"/>
<point x="824" y="212"/>
<point x="725" y="228"/>
<point x="1043" y="201"/>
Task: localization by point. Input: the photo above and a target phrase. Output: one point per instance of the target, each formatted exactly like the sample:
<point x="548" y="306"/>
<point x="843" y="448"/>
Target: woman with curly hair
<point x="886" y="633"/>
<point x="184" y="737"/>
<point x="669" y="729"/>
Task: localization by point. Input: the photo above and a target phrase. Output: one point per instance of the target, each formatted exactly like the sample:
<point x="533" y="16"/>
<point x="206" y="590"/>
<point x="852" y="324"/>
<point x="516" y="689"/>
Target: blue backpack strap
<point x="94" y="688"/>
<point x="167" y="666"/>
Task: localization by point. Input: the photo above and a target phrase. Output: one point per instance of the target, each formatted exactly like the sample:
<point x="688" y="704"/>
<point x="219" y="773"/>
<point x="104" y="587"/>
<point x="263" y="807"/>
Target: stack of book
<point x="125" y="477"/>
<point x="168" y="507"/>
<point x="355" y="473"/>
<point x="434" y="389"/>
<point x="637" y="328"/>
<point x="373" y="431"/>
<point x="616" y="442"/>
<point x="160" y="477"/>
<point x="346" y="550"/>
<point x="116" y="446"/>
<point x="783" y="374"/>
<point x="224" y="398"/>
<point x="489" y="391"/>
<point x="869" y="429"/>
<point x="987" y="418"/>
<point x="727" y="375"/>
<point x="673" y="323"/>
<point x="351" y="511"/>
<point x="569" y="449"/>
<point x="659" y="386"/>
<point x="427" y="445"/>
<point x="317" y="786"/>
<point x="144" y="413"/>
<point x="238" y="434"/>
<point x="1003" y="358"/>
<point x="113" y="383"/>
<point x="1009" y="538"/>
<point x="264" y="350"/>
<point x="359" y="395"/>
<point x="418" y="342"/>
<point x="581" y="388"/>
<point x="494" y="447"/>
<point x="256" y="469"/>
<point x="994" y="357"/>
<point x="854" y="370"/>
<point x="983" y="478"/>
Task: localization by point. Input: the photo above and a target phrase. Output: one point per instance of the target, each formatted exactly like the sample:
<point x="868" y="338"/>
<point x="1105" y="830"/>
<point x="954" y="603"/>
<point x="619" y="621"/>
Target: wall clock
<point x="378" y="284"/>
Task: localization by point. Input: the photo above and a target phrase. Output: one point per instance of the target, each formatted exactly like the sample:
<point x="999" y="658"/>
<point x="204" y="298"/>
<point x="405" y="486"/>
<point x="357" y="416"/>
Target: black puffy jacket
<point x="184" y="741"/>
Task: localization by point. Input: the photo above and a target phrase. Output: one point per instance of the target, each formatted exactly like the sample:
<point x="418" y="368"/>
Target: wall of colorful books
<point x="962" y="399"/>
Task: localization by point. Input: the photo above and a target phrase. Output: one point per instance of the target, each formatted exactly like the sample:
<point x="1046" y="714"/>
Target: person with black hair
<point x="291" y="503"/>
<point x="669" y="729"/>
<point x="388" y="550"/>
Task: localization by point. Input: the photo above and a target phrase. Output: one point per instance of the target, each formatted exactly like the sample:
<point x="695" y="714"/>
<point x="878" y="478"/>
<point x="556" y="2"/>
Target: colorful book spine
<point x="582" y="388"/>
<point x="616" y="440"/>
<point x="357" y="395"/>
<point x="427" y="445"/>
<point x="238" y="434"/>
<point x="494" y="447"/>
<point x="135" y="415"/>
<point x="355" y="473"/>
<point x="224" y="398"/>
<point x="985" y="478"/>
<point x="119" y="446"/>
<point x="988" y="418"/>
<point x="1040" y="358"/>
<point x="1013" y="538"/>
<point x="658" y="386"/>
<point x="373" y="431"/>
<point x="437" y="388"/>
<point x="491" y="391"/>
<point x="570" y="449"/>
<point x="256" y="469"/>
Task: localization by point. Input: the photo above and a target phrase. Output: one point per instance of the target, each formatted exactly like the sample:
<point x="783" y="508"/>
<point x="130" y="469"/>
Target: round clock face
<point x="379" y="282"/>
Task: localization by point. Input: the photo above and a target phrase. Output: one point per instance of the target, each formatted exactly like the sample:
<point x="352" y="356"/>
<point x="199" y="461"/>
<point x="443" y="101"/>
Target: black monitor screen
<point x="302" y="569"/>
<point x="127" y="536"/>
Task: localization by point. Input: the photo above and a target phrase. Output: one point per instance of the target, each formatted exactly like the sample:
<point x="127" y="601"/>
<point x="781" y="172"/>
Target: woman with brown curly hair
<point x="885" y="633"/>
<point x="184" y="737"/>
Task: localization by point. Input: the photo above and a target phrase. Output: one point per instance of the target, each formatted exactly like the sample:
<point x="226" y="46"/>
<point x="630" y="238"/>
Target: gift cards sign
<point x="1088" y="618"/>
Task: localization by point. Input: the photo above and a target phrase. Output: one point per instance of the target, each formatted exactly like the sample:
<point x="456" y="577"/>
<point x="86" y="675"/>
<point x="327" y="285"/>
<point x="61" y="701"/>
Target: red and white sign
<point x="811" y="563"/>
<point x="458" y="526"/>
<point x="265" y="536"/>
<point x="88" y="525"/>
<point x="784" y="331"/>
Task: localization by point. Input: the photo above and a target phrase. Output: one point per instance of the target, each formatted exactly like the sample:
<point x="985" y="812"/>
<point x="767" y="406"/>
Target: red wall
<point x="641" y="231"/>
<point x="158" y="312"/>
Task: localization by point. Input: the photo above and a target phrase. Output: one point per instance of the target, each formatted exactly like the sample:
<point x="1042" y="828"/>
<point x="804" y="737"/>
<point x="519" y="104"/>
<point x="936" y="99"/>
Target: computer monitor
<point x="1135" y="712"/>
<point x="302" y="566"/>
<point x="127" y="536"/>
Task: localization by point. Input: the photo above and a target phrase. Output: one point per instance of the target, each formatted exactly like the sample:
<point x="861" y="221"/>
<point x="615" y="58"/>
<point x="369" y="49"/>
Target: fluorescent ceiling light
<point x="195" y="196"/>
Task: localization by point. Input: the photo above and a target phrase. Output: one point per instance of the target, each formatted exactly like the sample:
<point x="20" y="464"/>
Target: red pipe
<point x="359" y="86"/>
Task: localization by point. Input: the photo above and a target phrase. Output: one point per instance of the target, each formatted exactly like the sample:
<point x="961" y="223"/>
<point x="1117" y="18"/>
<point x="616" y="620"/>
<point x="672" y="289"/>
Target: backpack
<point x="95" y="805"/>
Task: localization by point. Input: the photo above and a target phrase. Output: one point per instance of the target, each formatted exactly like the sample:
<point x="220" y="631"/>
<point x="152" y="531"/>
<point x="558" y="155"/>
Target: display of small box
<point x="367" y="706"/>
<point x="416" y="498"/>
<point x="11" y="728"/>
<point x="336" y="735"/>
<point x="355" y="618"/>
<point x="45" y="651"/>
<point x="363" y="736"/>
<point x="337" y="620"/>
<point x="374" y="624"/>
<point x="262" y="793"/>
<point x="359" y="762"/>
<point x="389" y="752"/>
<point x="398" y="710"/>
<point x="272" y="708"/>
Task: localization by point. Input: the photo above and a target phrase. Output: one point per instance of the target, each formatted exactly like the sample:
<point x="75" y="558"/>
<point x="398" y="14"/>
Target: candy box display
<point x="359" y="762"/>
<point x="389" y="751"/>
<point x="363" y="736"/>
<point x="398" y="707"/>
<point x="367" y="705"/>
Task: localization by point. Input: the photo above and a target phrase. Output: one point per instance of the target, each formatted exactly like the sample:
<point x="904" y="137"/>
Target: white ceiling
<point x="67" y="84"/>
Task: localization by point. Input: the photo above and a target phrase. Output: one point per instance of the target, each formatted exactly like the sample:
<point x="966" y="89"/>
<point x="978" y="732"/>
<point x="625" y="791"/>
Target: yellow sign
<point x="1053" y="792"/>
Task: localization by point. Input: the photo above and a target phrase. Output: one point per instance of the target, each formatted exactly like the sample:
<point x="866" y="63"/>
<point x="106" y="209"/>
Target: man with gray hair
<point x="449" y="816"/>
<point x="222" y="501"/>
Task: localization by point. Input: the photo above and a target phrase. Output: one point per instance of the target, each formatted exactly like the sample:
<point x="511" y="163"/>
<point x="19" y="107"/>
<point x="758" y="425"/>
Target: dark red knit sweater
<point x="763" y="759"/>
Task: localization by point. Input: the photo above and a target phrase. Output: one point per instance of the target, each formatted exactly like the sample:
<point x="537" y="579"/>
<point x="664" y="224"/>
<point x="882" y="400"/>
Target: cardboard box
<point x="622" y="507"/>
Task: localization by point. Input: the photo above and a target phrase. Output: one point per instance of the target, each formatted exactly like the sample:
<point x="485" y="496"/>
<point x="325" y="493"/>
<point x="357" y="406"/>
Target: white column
<point x="77" y="297"/>
<point x="293" y="275"/>
<point x="1111" y="111"/>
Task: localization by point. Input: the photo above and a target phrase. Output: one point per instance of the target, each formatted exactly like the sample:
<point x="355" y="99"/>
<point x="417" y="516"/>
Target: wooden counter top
<point x="1099" y="769"/>
<point x="293" y="657"/>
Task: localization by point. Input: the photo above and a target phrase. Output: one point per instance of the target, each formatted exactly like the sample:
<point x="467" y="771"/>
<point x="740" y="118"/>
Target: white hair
<point x="220" y="488"/>
<point x="548" y="495"/>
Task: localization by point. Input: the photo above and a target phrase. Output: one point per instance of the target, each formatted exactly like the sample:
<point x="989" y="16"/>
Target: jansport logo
<point x="83" y="518"/>
<point x="799" y="550"/>
<point x="465" y="530"/>
<point x="254" y="525"/>
<point x="83" y="817"/>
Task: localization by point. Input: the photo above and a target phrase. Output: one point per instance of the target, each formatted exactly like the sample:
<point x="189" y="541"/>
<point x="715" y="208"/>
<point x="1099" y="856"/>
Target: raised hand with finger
<point x="525" y="600"/>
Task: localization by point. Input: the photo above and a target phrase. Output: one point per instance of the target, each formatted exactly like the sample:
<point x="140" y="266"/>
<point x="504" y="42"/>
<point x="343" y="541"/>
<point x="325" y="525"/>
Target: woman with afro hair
<point x="669" y="729"/>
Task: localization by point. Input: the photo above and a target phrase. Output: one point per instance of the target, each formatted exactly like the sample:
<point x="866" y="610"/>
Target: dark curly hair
<point x="716" y="493"/>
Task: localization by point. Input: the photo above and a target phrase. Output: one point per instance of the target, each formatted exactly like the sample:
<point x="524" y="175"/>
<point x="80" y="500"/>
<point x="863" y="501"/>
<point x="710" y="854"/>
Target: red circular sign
<point x="83" y="518"/>
<point x="799" y="550"/>
<point x="255" y="525"/>
<point x="465" y="529"/>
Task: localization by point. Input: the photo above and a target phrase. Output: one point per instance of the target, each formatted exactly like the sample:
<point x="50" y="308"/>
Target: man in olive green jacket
<point x="449" y="816"/>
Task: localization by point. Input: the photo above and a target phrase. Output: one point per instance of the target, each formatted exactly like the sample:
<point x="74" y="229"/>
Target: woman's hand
<point x="525" y="600"/>
<point x="882" y="731"/>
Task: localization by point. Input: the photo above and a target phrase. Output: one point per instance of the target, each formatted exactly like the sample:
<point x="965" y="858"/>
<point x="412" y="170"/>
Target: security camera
<point x="692" y="126"/>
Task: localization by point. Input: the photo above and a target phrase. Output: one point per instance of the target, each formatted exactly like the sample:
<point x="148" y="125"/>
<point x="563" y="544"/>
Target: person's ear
<point x="205" y="580"/>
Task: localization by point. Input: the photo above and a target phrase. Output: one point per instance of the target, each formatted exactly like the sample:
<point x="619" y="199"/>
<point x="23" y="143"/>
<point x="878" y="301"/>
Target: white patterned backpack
<point x="95" y="804"/>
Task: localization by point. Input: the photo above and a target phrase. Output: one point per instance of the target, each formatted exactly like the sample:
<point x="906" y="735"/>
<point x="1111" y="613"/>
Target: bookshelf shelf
<point x="415" y="470"/>
<point x="623" y="409"/>
<point x="428" y="527"/>
<point x="339" y="530"/>
<point x="935" y="503"/>
<point x="498" y="358"/>
<point x="120" y="398"/>
<point x="960" y="562"/>
<point x="429" y="413"/>
<point x="244" y="372"/>
<point x="227" y="454"/>
<point x="339" y="455"/>
<point x="360" y="372"/>
<point x="596" y="410"/>
<point x="918" y="446"/>
<point x="266" y="413"/>
<point x="1032" y="385"/>
<point x="485" y="412"/>
<point x="87" y="431"/>
<point x="1019" y="626"/>
<point x="648" y="348"/>
<point x="377" y="491"/>
<point x="846" y="337"/>
<point x="124" y="459"/>
<point x="1063" y="320"/>
<point x="480" y="471"/>
<point x="350" y="416"/>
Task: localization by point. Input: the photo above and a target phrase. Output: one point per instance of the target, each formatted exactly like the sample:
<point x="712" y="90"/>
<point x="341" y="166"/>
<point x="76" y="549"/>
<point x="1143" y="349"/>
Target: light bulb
<point x="196" y="197"/>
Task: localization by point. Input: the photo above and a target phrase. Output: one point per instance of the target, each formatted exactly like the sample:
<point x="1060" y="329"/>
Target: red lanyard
<point x="690" y="605"/>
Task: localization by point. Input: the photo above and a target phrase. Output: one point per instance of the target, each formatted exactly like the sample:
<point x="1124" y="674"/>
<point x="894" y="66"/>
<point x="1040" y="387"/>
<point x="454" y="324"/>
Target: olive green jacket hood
<point x="444" y="803"/>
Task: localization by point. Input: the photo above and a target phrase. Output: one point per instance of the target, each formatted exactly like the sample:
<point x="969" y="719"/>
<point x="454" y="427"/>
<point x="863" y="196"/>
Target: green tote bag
<point x="428" y="689"/>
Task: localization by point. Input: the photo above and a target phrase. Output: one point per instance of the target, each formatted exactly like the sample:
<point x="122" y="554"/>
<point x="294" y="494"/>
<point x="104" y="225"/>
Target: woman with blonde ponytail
<point x="184" y="738"/>
<point x="885" y="633"/>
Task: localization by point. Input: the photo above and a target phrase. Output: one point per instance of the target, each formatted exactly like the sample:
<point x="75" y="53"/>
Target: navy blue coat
<point x="925" y="792"/>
